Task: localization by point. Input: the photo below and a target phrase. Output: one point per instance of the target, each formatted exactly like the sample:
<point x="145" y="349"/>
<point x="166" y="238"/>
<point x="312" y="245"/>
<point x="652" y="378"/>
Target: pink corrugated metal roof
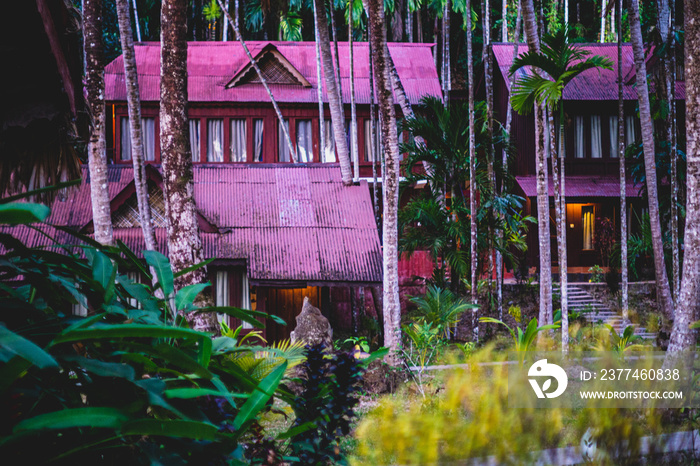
<point x="591" y="84"/>
<point x="581" y="186"/>
<point x="292" y="223"/>
<point x="212" y="64"/>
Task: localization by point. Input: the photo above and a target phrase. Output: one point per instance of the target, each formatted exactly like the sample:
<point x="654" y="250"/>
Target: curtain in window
<point x="245" y="298"/>
<point x="148" y="138"/>
<point x="195" y="141"/>
<point x="283" y="149"/>
<point x="369" y="146"/>
<point x="630" y="130"/>
<point x="125" y="138"/>
<point x="215" y="140"/>
<point x="329" y="143"/>
<point x="587" y="221"/>
<point x="79" y="310"/>
<point x="579" y="138"/>
<point x="596" y="137"/>
<point x="148" y="132"/>
<point x="258" y="141"/>
<point x="304" y="141"/>
<point x="222" y="292"/>
<point x="238" y="141"/>
<point x="613" y="137"/>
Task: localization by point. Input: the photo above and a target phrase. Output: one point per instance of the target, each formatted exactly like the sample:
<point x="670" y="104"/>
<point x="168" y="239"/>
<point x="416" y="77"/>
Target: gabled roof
<point x="592" y="84"/>
<point x="213" y="65"/>
<point x="289" y="224"/>
<point x="274" y="67"/>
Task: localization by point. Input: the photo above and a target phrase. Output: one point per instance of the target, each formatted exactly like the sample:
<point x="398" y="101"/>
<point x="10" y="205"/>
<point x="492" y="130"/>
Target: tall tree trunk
<point x="136" y="22"/>
<point x="446" y="51"/>
<point x="94" y="96"/>
<point x="373" y="149"/>
<point x="392" y="307"/>
<point x="419" y="25"/>
<point x="224" y="32"/>
<point x="184" y="243"/>
<point x="602" y="22"/>
<point x="504" y="21"/>
<point x="134" y="103"/>
<point x="623" y="174"/>
<point x="663" y="291"/>
<point x="323" y="24"/>
<point x="682" y="337"/>
<point x="488" y="84"/>
<point x="409" y="21"/>
<point x="533" y="43"/>
<point x="566" y="12"/>
<point x="280" y="118"/>
<point x="473" y="260"/>
<point x="319" y="87"/>
<point x="504" y="160"/>
<point x="560" y="208"/>
<point x="353" y="109"/>
<point x="335" y="101"/>
<point x="397" y="21"/>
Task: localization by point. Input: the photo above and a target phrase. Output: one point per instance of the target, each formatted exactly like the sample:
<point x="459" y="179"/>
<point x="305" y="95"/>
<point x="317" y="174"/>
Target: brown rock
<point x="312" y="327"/>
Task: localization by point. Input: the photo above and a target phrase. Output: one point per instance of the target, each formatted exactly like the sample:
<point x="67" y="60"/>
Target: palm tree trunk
<point x="682" y="337"/>
<point x="136" y="22"/>
<point x="224" y="34"/>
<point x="319" y="87"/>
<point x="292" y="151"/>
<point x="134" y="103"/>
<point x="663" y="291"/>
<point x="561" y="232"/>
<point x="392" y="307"/>
<point x="94" y="96"/>
<point x="488" y="83"/>
<point x="533" y="42"/>
<point x="184" y="243"/>
<point x="323" y="23"/>
<point x="472" y="178"/>
<point x="504" y="161"/>
<point x="448" y="49"/>
<point x="373" y="141"/>
<point x="397" y="21"/>
<point x="623" y="174"/>
<point x="504" y="21"/>
<point x="353" y="109"/>
<point x="602" y="22"/>
<point x="409" y="22"/>
<point x="334" y="97"/>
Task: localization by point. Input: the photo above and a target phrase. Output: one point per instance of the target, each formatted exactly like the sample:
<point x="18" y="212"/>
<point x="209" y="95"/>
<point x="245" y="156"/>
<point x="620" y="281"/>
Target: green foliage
<point x="597" y="274"/>
<point x="441" y="308"/>
<point x="619" y="343"/>
<point x="516" y="313"/>
<point x="211" y="11"/>
<point x="325" y="408"/>
<point x="131" y="382"/>
<point x="522" y="340"/>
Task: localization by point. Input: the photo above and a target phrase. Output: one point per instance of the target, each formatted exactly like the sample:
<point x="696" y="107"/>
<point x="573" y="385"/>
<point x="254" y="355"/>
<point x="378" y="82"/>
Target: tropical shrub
<point x="441" y="308"/>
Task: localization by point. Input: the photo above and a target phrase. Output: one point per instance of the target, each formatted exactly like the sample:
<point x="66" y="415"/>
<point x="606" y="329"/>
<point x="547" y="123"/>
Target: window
<point x="238" y="141"/>
<point x="304" y="141"/>
<point x="283" y="149"/>
<point x="614" y="150"/>
<point x="630" y="130"/>
<point x="195" y="141"/>
<point x="134" y="277"/>
<point x="596" y="137"/>
<point x="148" y="138"/>
<point x="588" y="222"/>
<point x="79" y="309"/>
<point x="370" y="146"/>
<point x="579" y="138"/>
<point x="329" y="143"/>
<point x="258" y="127"/>
<point x="215" y="140"/>
<point x="232" y="289"/>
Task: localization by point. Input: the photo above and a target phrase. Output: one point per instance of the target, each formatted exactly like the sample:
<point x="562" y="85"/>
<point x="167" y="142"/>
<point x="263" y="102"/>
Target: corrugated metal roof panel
<point x="581" y="186"/>
<point x="295" y="223"/>
<point x="211" y="65"/>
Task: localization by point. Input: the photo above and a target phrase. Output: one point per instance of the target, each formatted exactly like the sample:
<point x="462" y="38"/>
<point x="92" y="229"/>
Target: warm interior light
<point x="571" y="225"/>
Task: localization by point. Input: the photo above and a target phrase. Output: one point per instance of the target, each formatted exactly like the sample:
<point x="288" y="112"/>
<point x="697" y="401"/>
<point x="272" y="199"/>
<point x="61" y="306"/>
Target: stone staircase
<point x="596" y="312"/>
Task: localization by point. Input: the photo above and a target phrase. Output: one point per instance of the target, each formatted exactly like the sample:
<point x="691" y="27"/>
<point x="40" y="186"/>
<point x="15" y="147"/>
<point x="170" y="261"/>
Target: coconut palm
<point x="554" y="67"/>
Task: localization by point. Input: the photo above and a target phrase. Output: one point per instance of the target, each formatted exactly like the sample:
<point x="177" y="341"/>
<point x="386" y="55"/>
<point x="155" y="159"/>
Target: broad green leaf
<point x="139" y="292"/>
<point x="187" y="393"/>
<point x="243" y="314"/>
<point x="184" y="429"/>
<point x="296" y="430"/>
<point x="104" y="369"/>
<point x="26" y="349"/>
<point x="263" y="392"/>
<point x="18" y="213"/>
<point x="185" y="297"/>
<point x="164" y="273"/>
<point x="128" y="253"/>
<point x="111" y="418"/>
<point x="102" y="269"/>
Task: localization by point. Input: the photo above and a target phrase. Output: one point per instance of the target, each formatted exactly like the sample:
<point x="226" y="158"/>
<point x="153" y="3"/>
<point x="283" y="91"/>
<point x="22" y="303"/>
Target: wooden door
<point x="286" y="303"/>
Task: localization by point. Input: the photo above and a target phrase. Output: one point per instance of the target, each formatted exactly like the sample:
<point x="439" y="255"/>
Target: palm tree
<point x="554" y="67"/>
<point x="184" y="243"/>
<point x="682" y="336"/>
<point x="472" y="171"/>
<point x="94" y="95"/>
<point x="663" y="290"/>
<point x="134" y="104"/>
<point x="390" y="177"/>
<point x="319" y="88"/>
<point x="353" y="108"/>
<point x="623" y="175"/>
<point x="533" y="43"/>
